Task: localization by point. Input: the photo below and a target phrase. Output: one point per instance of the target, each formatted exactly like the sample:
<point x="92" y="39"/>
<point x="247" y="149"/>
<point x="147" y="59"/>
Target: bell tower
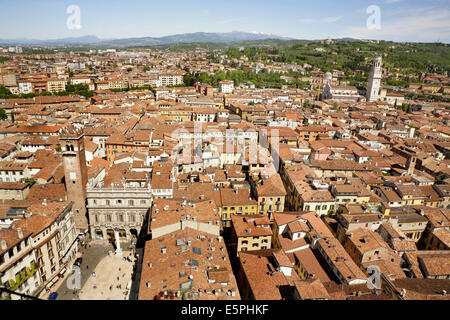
<point x="75" y="173"/>
<point x="373" y="87"/>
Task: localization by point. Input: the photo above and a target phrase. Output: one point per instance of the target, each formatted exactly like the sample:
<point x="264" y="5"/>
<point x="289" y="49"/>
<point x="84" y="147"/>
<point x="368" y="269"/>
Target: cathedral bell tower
<point x="373" y="87"/>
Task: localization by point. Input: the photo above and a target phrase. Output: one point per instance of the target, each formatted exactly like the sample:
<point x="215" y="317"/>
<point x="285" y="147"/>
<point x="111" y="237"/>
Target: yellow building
<point x="270" y="195"/>
<point x="251" y="233"/>
<point x="236" y="202"/>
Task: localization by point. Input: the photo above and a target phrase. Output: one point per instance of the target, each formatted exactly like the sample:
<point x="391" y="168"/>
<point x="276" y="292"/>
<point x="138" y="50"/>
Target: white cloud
<point x="306" y="20"/>
<point x="332" y="19"/>
<point x="424" y="25"/>
<point x="326" y="20"/>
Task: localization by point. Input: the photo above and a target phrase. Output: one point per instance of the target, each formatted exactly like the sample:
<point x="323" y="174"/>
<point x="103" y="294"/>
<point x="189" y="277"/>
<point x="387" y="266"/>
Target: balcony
<point x="22" y="276"/>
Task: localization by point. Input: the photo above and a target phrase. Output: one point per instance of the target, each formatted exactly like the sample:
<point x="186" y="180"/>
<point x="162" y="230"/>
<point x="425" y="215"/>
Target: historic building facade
<point x="117" y="213"/>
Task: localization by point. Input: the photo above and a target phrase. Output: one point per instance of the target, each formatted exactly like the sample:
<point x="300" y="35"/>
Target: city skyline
<point x="400" y="20"/>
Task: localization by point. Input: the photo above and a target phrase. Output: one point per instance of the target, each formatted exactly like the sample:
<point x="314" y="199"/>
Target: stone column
<point x="119" y="249"/>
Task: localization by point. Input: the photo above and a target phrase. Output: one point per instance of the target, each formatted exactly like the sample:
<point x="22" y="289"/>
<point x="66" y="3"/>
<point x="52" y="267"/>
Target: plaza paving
<point x="99" y="257"/>
<point x="111" y="272"/>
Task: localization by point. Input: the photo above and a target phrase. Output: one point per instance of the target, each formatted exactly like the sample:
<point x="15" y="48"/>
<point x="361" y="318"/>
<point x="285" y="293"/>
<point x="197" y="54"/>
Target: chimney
<point x="20" y="233"/>
<point x="4" y="245"/>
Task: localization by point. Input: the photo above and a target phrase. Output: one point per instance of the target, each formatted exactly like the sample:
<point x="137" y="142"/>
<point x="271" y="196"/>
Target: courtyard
<point x="104" y="276"/>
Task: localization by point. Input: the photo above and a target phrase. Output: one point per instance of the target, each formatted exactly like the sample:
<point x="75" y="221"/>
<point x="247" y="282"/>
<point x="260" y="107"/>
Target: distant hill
<point x="198" y="37"/>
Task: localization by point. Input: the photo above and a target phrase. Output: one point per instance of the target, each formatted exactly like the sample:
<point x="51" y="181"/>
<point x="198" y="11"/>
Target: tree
<point x="3" y="115"/>
<point x="405" y="107"/>
<point x="308" y="105"/>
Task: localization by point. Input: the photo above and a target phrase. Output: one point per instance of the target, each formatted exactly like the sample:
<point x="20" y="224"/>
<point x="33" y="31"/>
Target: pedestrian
<point x="87" y="267"/>
<point x="117" y="278"/>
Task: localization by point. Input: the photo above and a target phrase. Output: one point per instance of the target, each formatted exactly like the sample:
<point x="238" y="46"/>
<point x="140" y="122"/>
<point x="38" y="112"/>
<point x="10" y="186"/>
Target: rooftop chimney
<point x="20" y="233"/>
<point x="4" y="245"/>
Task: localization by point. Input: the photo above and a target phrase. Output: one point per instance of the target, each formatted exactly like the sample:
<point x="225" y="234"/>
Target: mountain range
<point x="198" y="37"/>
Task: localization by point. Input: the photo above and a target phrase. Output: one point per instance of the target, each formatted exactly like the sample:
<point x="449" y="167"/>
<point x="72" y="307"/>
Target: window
<point x="108" y="218"/>
<point x="131" y="202"/>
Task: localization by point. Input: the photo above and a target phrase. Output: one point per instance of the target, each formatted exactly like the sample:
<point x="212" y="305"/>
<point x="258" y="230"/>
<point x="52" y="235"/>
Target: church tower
<point x="75" y="172"/>
<point x="373" y="87"/>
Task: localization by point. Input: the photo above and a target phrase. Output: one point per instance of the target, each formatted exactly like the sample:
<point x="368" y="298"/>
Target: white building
<point x="171" y="78"/>
<point x="226" y="86"/>
<point x="344" y="93"/>
<point x="25" y="87"/>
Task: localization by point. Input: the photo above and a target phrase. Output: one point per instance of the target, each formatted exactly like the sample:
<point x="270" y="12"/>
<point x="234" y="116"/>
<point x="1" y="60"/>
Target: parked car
<point x="78" y="262"/>
<point x="53" y="296"/>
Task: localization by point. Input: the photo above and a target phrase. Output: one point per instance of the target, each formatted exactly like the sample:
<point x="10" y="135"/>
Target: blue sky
<point x="401" y="20"/>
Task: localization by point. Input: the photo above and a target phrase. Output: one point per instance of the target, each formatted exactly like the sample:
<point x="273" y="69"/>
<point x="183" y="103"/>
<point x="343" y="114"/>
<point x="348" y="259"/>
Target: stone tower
<point x="75" y="172"/>
<point x="410" y="165"/>
<point x="373" y="87"/>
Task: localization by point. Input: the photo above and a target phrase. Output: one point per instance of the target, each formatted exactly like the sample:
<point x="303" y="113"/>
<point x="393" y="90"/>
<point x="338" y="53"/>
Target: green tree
<point x="3" y="115"/>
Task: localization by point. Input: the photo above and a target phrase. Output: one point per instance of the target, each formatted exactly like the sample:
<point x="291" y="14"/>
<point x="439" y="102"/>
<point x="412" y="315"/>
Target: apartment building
<point x="56" y="85"/>
<point x="250" y="233"/>
<point x="168" y="79"/>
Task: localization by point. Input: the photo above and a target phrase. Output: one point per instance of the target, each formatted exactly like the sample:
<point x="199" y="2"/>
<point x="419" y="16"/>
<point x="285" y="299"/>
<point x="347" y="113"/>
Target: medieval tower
<point x="373" y="87"/>
<point x="75" y="172"/>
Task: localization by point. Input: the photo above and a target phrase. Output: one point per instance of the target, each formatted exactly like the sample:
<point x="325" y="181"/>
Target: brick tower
<point x="75" y="172"/>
